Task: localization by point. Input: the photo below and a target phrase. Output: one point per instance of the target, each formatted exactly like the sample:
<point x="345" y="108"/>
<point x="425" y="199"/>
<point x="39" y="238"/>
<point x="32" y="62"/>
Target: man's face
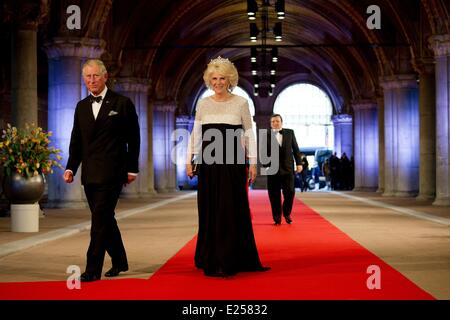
<point x="93" y="78"/>
<point x="276" y="123"/>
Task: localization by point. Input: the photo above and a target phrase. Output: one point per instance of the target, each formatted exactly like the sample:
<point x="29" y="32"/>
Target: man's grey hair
<point x="92" y="62"/>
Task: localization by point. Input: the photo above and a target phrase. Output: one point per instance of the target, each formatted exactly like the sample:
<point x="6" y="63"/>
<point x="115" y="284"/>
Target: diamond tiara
<point x="220" y="60"/>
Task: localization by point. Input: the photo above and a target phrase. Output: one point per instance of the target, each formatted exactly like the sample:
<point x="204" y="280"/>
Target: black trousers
<point x="105" y="234"/>
<point x="277" y="184"/>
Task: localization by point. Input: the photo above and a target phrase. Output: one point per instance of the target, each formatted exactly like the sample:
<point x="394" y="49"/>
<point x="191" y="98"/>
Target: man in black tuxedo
<point x="105" y="140"/>
<point x="283" y="180"/>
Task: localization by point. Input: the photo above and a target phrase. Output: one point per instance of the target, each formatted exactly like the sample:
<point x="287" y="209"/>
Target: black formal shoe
<point x="87" y="277"/>
<point x="114" y="271"/>
<point x="288" y="220"/>
<point x="277" y="223"/>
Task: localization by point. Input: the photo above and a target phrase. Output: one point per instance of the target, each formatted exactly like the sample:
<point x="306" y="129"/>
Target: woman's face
<point x="219" y="83"/>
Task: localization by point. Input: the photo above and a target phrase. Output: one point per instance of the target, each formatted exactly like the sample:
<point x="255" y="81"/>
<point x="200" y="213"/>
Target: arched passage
<point x="307" y="110"/>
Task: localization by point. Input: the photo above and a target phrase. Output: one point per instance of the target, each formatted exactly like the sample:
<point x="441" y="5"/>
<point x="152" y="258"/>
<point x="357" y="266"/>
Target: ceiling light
<point x="254" y="31"/>
<point x="279" y="8"/>
<point x="252" y="8"/>
<point x="277" y="31"/>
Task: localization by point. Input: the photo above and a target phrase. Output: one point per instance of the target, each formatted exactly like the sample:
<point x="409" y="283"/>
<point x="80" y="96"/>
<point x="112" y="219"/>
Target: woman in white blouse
<point x="222" y="141"/>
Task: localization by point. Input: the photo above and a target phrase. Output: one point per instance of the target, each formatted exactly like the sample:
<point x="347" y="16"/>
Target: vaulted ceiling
<point x="325" y="42"/>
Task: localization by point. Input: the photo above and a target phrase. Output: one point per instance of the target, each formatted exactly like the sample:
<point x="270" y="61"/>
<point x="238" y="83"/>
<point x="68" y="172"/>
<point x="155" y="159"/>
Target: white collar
<point x="102" y="94"/>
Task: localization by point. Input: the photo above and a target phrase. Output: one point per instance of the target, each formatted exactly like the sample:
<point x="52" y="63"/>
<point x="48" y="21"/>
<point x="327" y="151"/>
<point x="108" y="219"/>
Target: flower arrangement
<point x="27" y="151"/>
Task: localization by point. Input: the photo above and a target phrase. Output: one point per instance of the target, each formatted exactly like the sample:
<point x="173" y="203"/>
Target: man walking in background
<point x="283" y="180"/>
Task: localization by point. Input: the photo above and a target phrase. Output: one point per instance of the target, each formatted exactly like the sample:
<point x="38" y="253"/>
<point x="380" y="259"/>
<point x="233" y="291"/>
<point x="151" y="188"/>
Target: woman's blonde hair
<point x="224" y="67"/>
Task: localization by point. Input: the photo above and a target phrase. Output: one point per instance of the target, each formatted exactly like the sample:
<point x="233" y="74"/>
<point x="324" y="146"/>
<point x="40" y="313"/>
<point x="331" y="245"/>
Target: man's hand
<point x="299" y="169"/>
<point x="68" y="176"/>
<point x="131" y="178"/>
<point x="252" y="173"/>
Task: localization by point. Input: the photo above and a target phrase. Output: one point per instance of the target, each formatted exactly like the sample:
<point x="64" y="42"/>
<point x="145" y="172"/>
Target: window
<point x="307" y="110"/>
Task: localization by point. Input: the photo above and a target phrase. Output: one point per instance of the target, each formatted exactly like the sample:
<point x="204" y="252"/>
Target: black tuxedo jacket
<point x="288" y="151"/>
<point x="107" y="147"/>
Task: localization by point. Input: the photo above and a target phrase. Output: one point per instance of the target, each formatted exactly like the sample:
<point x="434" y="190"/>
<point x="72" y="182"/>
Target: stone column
<point x="183" y="126"/>
<point x="381" y="146"/>
<point x="427" y="121"/>
<point x="150" y="166"/>
<point x="441" y="47"/>
<point x="25" y="20"/>
<point x="401" y="118"/>
<point x="366" y="144"/>
<point x="137" y="91"/>
<point x="343" y="134"/>
<point x="262" y="122"/>
<point x="163" y="146"/>
<point x="65" y="88"/>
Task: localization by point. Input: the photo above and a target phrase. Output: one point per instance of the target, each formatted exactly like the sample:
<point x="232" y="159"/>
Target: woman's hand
<point x="252" y="173"/>
<point x="189" y="171"/>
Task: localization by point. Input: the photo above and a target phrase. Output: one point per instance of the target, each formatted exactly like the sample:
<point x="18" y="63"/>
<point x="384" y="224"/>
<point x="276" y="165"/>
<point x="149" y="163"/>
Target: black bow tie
<point x="280" y="131"/>
<point x="97" y="99"/>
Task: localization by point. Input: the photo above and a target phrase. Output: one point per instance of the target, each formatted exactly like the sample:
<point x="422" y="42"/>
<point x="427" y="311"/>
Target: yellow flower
<point x="26" y="151"/>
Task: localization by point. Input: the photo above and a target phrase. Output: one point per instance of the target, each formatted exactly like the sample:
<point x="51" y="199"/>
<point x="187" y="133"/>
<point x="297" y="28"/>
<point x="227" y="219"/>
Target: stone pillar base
<point x="425" y="197"/>
<point x="140" y="195"/>
<point x="129" y="196"/>
<point x="362" y="189"/>
<point x="149" y="194"/>
<point x="82" y="204"/>
<point x="406" y="194"/>
<point x="166" y="190"/>
<point x="445" y="202"/>
<point x="25" y="217"/>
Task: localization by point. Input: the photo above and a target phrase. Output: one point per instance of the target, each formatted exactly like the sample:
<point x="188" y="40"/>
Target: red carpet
<point x="310" y="259"/>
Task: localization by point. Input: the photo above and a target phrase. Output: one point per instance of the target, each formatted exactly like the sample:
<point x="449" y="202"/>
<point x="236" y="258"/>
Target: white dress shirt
<point x="97" y="105"/>
<point x="279" y="136"/>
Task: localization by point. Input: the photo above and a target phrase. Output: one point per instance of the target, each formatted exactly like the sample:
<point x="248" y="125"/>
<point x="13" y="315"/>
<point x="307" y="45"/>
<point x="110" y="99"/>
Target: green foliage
<point x="27" y="151"/>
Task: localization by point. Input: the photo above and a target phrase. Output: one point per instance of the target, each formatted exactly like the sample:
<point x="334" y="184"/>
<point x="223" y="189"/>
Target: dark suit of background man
<point x="283" y="180"/>
<point x="105" y="140"/>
